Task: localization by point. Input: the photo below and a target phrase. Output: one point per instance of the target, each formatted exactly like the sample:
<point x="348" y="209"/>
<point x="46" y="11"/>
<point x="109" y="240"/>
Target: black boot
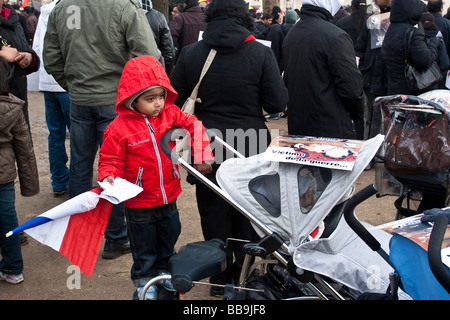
<point x="115" y="248"/>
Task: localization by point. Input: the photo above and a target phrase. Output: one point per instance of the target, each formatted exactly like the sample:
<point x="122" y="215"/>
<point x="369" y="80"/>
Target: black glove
<point x="431" y="214"/>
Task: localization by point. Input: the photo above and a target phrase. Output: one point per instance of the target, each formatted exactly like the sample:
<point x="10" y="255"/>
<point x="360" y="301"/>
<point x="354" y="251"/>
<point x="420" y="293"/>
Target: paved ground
<point x="48" y="275"/>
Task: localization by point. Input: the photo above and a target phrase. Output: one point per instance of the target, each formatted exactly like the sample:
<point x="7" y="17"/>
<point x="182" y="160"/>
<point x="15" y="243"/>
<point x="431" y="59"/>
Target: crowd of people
<point x="119" y="86"/>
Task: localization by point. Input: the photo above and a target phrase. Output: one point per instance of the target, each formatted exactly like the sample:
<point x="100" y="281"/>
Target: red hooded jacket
<point x="130" y="147"/>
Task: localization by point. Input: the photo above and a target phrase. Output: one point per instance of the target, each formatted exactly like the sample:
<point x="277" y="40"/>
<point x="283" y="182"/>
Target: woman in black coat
<point x="14" y="47"/>
<point x="325" y="86"/>
<point x="243" y="80"/>
<point x="432" y="31"/>
<point x="405" y="14"/>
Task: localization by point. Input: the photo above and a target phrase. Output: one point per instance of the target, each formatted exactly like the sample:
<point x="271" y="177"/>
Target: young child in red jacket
<point x="131" y="150"/>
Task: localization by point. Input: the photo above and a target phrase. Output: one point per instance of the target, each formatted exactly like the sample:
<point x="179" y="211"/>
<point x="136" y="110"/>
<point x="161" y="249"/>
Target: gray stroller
<point x="289" y="261"/>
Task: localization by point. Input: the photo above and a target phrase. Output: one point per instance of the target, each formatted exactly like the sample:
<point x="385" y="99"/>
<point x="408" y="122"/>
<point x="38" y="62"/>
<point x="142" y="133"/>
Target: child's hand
<point x="109" y="179"/>
<point x="203" y="168"/>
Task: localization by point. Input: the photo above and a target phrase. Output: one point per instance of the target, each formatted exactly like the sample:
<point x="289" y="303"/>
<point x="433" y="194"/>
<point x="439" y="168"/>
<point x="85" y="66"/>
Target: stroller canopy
<point x="291" y="199"/>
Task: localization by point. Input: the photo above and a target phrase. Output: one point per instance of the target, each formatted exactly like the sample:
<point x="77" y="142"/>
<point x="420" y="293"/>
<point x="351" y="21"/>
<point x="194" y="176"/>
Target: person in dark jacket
<point x="263" y="23"/>
<point x="185" y="27"/>
<point x="14" y="47"/>
<point x="277" y="31"/>
<point x="432" y="31"/>
<point x="23" y="22"/>
<point x="371" y="64"/>
<point x="161" y="31"/>
<point x="354" y="23"/>
<point x="324" y="83"/>
<point x="31" y="21"/>
<point x="242" y="80"/>
<point x="289" y="20"/>
<point x="275" y="35"/>
<point x="435" y="7"/>
<point x="405" y="14"/>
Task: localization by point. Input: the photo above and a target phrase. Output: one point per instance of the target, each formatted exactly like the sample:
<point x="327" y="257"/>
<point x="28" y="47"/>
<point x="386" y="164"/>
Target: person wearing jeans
<point x="86" y="136"/>
<point x="57" y="110"/>
<point x="11" y="265"/>
<point x="152" y="248"/>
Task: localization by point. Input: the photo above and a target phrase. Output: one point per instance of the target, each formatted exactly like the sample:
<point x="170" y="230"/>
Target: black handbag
<point x="419" y="81"/>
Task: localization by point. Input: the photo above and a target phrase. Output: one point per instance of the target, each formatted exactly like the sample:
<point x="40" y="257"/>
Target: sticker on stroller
<point x="321" y="152"/>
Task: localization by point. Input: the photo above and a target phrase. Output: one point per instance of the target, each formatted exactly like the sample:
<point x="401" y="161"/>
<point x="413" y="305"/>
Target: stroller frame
<point x="434" y="247"/>
<point x="269" y="248"/>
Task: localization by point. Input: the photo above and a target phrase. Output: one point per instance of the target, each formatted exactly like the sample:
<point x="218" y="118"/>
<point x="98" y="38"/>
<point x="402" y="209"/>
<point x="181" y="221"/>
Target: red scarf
<point x="5" y="12"/>
<point x="250" y="38"/>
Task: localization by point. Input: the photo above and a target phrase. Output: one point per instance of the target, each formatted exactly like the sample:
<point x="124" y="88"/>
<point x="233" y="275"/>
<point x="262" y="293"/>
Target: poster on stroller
<point x="321" y="152"/>
<point x="419" y="232"/>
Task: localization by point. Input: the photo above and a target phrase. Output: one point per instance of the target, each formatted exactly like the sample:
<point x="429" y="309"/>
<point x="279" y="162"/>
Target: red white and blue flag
<point x="75" y="228"/>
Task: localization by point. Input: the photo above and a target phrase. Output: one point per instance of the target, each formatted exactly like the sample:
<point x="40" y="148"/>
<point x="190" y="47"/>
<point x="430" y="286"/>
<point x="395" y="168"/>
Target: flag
<point x="75" y="228"/>
<point x="25" y="4"/>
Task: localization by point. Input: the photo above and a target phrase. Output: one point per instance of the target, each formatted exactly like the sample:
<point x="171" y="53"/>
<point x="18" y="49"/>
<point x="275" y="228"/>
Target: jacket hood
<point x="141" y="73"/>
<point x="407" y="11"/>
<point x="291" y="17"/>
<point x="47" y="9"/>
<point x="332" y="6"/>
<point x="11" y="107"/>
<point x="225" y="34"/>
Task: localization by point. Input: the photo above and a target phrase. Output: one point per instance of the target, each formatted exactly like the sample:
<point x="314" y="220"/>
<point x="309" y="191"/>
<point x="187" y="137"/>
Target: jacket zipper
<point x="139" y="177"/>
<point x="176" y="175"/>
<point x="158" y="156"/>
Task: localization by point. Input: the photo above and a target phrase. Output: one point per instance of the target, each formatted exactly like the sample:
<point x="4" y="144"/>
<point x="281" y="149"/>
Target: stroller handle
<point x="434" y="252"/>
<point x="354" y="223"/>
<point x="180" y="133"/>
<point x="171" y="135"/>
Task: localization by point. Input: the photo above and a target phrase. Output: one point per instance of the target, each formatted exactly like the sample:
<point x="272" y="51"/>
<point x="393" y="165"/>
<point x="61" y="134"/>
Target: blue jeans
<point x="153" y="233"/>
<point x="86" y="136"/>
<point x="12" y="262"/>
<point x="57" y="116"/>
